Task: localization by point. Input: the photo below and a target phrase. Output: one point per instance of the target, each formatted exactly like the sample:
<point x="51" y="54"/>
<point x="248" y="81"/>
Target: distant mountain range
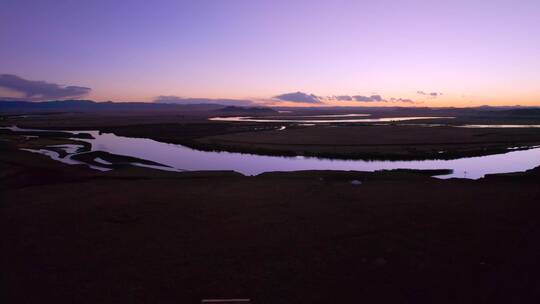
<point x="250" y="110"/>
<point x="225" y="108"/>
<point x="188" y="101"/>
<point x="7" y="106"/>
<point x="524" y="112"/>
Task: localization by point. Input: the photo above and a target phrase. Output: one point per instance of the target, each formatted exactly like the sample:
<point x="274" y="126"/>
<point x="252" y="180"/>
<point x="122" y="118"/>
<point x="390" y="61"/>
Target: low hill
<point x="247" y="110"/>
<point x="92" y="106"/>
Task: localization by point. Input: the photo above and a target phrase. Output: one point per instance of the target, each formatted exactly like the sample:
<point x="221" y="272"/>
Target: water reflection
<point x="181" y="157"/>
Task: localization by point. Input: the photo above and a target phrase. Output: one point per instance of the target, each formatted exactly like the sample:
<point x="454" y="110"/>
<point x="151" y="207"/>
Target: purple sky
<point x="473" y="52"/>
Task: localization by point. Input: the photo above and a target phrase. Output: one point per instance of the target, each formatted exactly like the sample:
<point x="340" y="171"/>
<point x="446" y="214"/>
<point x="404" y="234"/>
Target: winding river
<point x="180" y="158"/>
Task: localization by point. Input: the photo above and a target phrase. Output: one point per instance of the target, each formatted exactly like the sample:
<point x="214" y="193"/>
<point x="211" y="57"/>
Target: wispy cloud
<point x="40" y="90"/>
<point x="404" y="100"/>
<point x="372" y="98"/>
<point x="343" y="98"/>
<point x="184" y="100"/>
<point x="300" y="97"/>
<point x="429" y="94"/>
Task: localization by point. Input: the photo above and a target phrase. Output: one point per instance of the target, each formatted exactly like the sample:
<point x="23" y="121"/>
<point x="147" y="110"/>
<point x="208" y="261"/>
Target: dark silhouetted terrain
<point x="70" y="234"/>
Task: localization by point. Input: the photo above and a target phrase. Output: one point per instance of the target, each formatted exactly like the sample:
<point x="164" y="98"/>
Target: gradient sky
<point x="473" y="52"/>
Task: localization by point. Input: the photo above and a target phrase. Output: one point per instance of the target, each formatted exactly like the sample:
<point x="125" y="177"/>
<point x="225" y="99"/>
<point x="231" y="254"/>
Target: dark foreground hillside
<point x="71" y="235"/>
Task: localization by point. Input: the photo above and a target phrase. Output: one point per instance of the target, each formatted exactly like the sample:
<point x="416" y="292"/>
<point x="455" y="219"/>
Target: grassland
<point x="375" y="142"/>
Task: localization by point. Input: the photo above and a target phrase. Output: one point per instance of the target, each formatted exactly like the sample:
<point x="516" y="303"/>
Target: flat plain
<point x="73" y="234"/>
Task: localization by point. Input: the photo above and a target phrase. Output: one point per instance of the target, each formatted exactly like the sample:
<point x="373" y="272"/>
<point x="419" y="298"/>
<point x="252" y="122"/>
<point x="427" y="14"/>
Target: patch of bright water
<point x="347" y="120"/>
<point x="499" y="126"/>
<point x="102" y="161"/>
<point x="69" y="149"/>
<point x="66" y="160"/>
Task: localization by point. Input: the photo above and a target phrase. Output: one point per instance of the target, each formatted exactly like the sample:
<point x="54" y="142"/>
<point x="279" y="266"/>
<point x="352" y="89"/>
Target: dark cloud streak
<point x="432" y="94"/>
<point x="33" y="90"/>
<point x="372" y="98"/>
<point x="343" y="98"/>
<point x="299" y="97"/>
<point x="403" y="100"/>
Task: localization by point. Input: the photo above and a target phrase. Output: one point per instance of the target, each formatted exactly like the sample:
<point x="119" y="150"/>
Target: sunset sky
<point x="429" y="53"/>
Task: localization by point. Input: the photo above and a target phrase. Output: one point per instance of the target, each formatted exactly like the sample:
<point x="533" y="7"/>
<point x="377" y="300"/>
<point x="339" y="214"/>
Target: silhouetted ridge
<point x="89" y="105"/>
<point x="524" y="112"/>
<point x="253" y="110"/>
